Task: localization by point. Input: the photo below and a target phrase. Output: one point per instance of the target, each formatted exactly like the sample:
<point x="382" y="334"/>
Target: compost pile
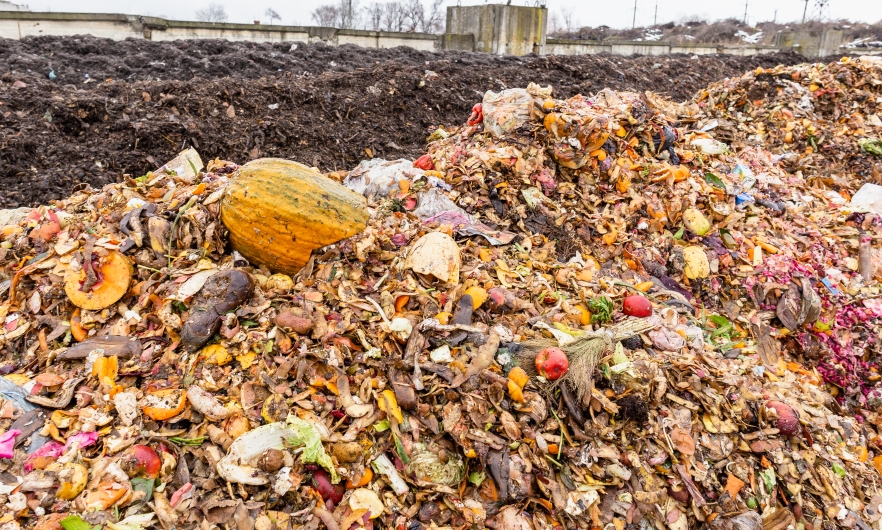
<point x="125" y="107"/>
<point x="820" y="119"/>
<point x="566" y="314"/>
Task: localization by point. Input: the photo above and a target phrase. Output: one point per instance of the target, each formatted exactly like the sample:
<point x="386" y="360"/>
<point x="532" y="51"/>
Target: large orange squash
<point x="278" y="211"/>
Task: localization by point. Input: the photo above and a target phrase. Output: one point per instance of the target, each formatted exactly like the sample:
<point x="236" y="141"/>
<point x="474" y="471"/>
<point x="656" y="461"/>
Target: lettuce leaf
<point x="308" y="437"/>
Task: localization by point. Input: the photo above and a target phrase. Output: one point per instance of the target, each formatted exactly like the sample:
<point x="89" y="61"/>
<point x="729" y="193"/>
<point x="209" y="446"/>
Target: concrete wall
<point x="810" y="43"/>
<point x="496" y="29"/>
<point x="16" y="25"/>
<point x="582" y="47"/>
<point x="861" y="51"/>
<point x="461" y="43"/>
<point x="501" y="29"/>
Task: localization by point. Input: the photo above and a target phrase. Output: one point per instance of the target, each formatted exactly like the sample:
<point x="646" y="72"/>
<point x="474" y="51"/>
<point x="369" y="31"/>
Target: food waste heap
<point x="608" y="312"/>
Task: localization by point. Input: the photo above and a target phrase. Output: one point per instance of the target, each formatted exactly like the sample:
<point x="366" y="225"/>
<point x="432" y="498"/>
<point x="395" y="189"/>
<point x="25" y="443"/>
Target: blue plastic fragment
<point x="742" y="198"/>
<point x="829" y="285"/>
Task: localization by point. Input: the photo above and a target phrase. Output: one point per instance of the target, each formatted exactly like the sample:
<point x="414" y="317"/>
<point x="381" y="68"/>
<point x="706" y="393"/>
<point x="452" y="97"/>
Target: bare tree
<point x="433" y="21"/>
<point x="349" y="14"/>
<point x="373" y="16"/>
<point x="213" y="13"/>
<point x="414" y="13"/>
<point x="272" y="14"/>
<point x="554" y="25"/>
<point x="327" y="15"/>
<point x="394" y="17"/>
<point x="568" y="21"/>
<point x="343" y="14"/>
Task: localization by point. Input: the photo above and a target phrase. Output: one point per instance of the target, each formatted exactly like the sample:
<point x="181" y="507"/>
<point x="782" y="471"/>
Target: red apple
<point x="424" y="162"/>
<point x="552" y="363"/>
<point x="787" y="422"/>
<point x="141" y="461"/>
<point x="500" y="300"/>
<point x="637" y="306"/>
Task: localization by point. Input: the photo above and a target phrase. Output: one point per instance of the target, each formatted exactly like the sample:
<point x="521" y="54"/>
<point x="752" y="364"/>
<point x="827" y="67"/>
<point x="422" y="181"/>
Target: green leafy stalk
<point x="601" y="309"/>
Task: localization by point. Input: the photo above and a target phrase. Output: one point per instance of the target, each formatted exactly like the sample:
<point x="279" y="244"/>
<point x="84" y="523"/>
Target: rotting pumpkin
<point x="279" y="211"/>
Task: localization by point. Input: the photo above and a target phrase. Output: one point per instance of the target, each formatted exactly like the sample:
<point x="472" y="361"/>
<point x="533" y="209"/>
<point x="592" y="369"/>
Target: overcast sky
<point x="587" y="12"/>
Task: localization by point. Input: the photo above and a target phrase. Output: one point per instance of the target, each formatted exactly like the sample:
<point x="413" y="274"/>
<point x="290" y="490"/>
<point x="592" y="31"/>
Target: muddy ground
<point x="142" y="102"/>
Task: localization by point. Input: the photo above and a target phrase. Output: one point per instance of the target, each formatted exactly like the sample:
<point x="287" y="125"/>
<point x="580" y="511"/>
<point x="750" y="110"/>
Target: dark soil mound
<point x="77" y="59"/>
<point x="55" y="135"/>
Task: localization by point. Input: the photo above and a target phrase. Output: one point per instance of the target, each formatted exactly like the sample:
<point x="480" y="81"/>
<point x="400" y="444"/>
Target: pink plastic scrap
<point x="7" y="443"/>
<point x="55" y="449"/>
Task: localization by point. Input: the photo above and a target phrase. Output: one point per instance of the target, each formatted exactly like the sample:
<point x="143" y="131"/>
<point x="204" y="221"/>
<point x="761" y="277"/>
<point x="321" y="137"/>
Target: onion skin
<point x="321" y="481"/>
<point x="680" y="495"/>
<point x="326" y="517"/>
<point x="787" y="422"/>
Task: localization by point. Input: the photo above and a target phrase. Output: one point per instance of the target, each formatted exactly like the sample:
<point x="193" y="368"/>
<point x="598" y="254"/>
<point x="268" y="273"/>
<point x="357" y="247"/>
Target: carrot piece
<point x="161" y="413"/>
<point x="364" y="480"/>
<point x="401" y="301"/>
<point x="78" y="331"/>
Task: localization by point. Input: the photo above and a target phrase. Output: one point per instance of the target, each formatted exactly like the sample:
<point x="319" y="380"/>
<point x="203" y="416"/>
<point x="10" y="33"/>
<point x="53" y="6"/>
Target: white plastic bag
<point x="378" y="177"/>
<point x="507" y="110"/>
<point x="868" y="199"/>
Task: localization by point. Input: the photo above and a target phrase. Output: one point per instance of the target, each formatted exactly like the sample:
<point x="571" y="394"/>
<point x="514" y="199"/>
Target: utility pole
<point x="804" y="11"/>
<point x="634" y="20"/>
<point x="655" y="18"/>
<point x="745" y="11"/>
<point x="775" y="18"/>
<point x="822" y="7"/>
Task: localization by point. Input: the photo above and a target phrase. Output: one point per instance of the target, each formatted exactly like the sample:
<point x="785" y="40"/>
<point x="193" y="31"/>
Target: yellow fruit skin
<point x="519" y="376"/>
<point x="515" y="392"/>
<point x="72" y="478"/>
<point x="389" y="404"/>
<point x="696" y="263"/>
<point x="479" y="296"/>
<point x="696" y="221"/>
<point x="279" y="211"/>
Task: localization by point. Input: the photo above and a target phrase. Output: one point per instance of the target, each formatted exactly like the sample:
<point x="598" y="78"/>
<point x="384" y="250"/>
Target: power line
<point x="822" y="10"/>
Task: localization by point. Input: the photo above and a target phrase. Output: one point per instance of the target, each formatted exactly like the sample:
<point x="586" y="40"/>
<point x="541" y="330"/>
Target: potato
<point x="300" y="325"/>
<point x="695" y="221"/>
<point x="221" y="293"/>
<point x="346" y="452"/>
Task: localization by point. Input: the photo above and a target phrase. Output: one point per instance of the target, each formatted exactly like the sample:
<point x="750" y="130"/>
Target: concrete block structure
<point x="501" y="29"/>
<point x="810" y="43"/>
